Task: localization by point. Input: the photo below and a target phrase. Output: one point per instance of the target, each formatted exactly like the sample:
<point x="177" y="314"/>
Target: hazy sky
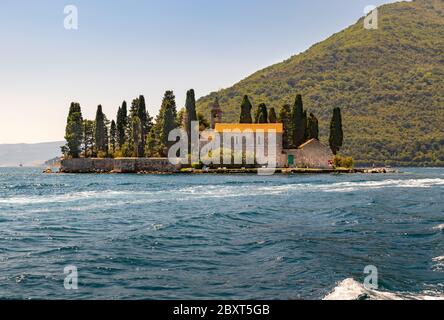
<point x="126" y="48"/>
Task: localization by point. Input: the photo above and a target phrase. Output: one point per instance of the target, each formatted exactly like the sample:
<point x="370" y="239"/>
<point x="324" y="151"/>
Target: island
<point x="286" y="141"/>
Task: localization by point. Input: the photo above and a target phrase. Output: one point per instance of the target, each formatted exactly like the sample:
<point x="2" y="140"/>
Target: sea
<point x="155" y="237"/>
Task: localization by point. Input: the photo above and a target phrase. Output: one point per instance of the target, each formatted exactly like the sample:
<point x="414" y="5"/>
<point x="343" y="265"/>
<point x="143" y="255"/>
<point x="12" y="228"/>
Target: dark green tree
<point x="272" y="118"/>
<point x="166" y="121"/>
<point x="286" y="119"/>
<point x="190" y="115"/>
<point x="136" y="135"/>
<point x="262" y="113"/>
<point x="134" y="129"/>
<point x="313" y="127"/>
<point x="88" y="138"/>
<point x="298" y="125"/>
<point x="153" y="146"/>
<point x="336" y="133"/>
<point x="145" y="122"/>
<point x="113" y="137"/>
<point x="122" y="124"/>
<point x="101" y="133"/>
<point x="73" y="132"/>
<point x="246" y="107"/>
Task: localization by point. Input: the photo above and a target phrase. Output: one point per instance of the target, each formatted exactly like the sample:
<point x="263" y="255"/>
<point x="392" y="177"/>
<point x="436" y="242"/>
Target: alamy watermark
<point x="371" y="19"/>
<point x="71" y="281"/>
<point x="71" y="21"/>
<point x="371" y="282"/>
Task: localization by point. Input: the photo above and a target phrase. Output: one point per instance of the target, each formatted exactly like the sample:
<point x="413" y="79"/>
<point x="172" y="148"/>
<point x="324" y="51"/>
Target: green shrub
<point x="343" y="162"/>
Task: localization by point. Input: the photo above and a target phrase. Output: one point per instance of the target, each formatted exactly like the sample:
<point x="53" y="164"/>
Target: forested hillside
<point x="388" y="82"/>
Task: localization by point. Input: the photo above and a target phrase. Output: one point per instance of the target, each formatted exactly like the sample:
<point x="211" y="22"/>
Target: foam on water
<point x="309" y="187"/>
<point x="350" y="289"/>
<point x="439" y="227"/>
<point x="217" y="191"/>
<point x="409" y="183"/>
<point x="439" y="264"/>
<point x="69" y="197"/>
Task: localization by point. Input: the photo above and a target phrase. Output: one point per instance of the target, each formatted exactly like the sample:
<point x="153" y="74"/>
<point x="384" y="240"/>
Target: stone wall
<point x="313" y="154"/>
<point x="86" y="165"/>
<point x="119" y="165"/>
<point x="128" y="165"/>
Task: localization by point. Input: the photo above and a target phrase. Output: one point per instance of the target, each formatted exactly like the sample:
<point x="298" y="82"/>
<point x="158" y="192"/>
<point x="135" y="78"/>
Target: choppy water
<point x="221" y="237"/>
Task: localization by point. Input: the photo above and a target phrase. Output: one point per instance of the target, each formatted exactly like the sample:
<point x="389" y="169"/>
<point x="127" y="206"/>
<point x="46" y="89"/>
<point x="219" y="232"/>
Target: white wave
<point x="349" y="289"/>
<point x="439" y="264"/>
<point x="69" y="197"/>
<point x="221" y="191"/>
<point x="410" y="183"/>
<point x="439" y="227"/>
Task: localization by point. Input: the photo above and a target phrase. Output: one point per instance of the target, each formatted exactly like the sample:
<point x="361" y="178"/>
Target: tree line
<point x="135" y="133"/>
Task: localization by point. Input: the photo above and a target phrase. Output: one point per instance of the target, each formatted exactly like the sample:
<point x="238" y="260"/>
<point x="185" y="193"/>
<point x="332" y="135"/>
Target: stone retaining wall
<point x="128" y="165"/>
<point x="118" y="165"/>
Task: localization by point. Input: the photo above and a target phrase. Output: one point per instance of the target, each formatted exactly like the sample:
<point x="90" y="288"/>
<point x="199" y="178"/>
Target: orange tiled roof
<point x="221" y="127"/>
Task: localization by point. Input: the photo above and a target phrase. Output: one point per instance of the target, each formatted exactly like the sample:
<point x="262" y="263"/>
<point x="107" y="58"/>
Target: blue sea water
<point x="219" y="237"/>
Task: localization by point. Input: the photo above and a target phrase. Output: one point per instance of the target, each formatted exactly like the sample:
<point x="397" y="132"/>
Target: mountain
<point x="388" y="82"/>
<point x="29" y="155"/>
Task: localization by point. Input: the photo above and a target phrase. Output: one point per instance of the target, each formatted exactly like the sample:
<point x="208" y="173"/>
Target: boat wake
<point x="350" y="289"/>
<point x="224" y="191"/>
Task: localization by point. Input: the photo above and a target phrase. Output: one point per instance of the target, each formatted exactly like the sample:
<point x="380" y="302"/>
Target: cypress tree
<point x="262" y="114"/>
<point x="190" y="106"/>
<point x="305" y="121"/>
<point x="88" y="138"/>
<point x="168" y="124"/>
<point x="152" y="144"/>
<point x="286" y="119"/>
<point x="336" y="132"/>
<point x="122" y="123"/>
<point x="134" y="109"/>
<point x="136" y="130"/>
<point x="113" y="137"/>
<point x="100" y="135"/>
<point x="246" y="107"/>
<point x="145" y="122"/>
<point x="165" y="122"/>
<point x="272" y="118"/>
<point x="73" y="131"/>
<point x="313" y="127"/>
<point x="298" y="125"/>
<point x="107" y="137"/>
<point x="191" y="115"/>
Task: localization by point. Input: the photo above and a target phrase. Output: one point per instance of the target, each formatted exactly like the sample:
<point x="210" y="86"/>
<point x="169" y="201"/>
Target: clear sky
<point x="126" y="48"/>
